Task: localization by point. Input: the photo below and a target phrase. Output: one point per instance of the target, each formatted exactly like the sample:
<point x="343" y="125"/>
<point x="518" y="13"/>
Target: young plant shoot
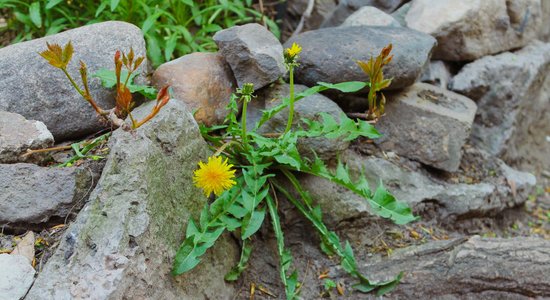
<point x="249" y="172"/>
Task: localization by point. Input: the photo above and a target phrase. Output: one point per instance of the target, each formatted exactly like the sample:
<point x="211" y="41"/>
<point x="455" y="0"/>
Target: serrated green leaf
<point x="253" y="223"/>
<point x="387" y="206"/>
<point x="236" y="271"/>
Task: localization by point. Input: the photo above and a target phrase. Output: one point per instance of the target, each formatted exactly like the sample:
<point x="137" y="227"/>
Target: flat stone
<point x="476" y="268"/>
<point x="123" y="243"/>
<point x="16" y="276"/>
<point x="370" y="16"/>
<point x="33" y="195"/>
<point x="18" y="134"/>
<point x="203" y="81"/>
<point x="254" y="54"/>
<point x="427" y="124"/>
<point x="308" y="107"/>
<point x="467" y="30"/>
<point x="330" y="54"/>
<point x="513" y="98"/>
<point x="34" y="89"/>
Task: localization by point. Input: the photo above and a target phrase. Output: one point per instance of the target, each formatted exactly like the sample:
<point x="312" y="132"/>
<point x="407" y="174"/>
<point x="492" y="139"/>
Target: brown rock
<point x="203" y="81"/>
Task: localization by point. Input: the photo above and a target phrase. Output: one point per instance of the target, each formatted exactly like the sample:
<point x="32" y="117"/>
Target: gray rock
<point x="347" y="7"/>
<point x="18" y="134"/>
<point x="33" y="194"/>
<point x="370" y="16"/>
<point x="512" y="94"/>
<point x="308" y="107"/>
<point x="254" y="54"/>
<point x="330" y="54"/>
<point x="477" y="268"/>
<point x="445" y="201"/>
<point x="427" y="124"/>
<point x="203" y="81"/>
<point x="400" y="14"/>
<point x="467" y="30"/>
<point x="296" y="9"/>
<point x="438" y="73"/>
<point x="31" y="87"/>
<point x="544" y="34"/>
<point x="123" y="243"/>
<point x="16" y="276"/>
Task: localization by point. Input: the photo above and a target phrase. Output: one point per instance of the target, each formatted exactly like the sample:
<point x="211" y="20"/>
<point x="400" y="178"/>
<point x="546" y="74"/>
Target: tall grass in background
<point x="171" y="28"/>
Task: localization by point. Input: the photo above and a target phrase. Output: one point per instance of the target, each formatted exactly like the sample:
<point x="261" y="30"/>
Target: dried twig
<point x="305" y="16"/>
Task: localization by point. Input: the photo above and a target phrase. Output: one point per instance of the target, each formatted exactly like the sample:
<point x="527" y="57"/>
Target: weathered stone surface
<point x="437" y="73"/>
<point x="31" y="87"/>
<point x="308" y="107"/>
<point x="254" y="54"/>
<point x="370" y="16"/>
<point x="477" y="268"/>
<point x="544" y="34"/>
<point x="16" y="276"/>
<point x="330" y="54"/>
<point x="296" y="9"/>
<point x="400" y="14"/>
<point x="512" y="91"/>
<point x="427" y="124"/>
<point x="203" y="81"/>
<point x="425" y="194"/>
<point x="347" y="7"/>
<point x="32" y="194"/>
<point x="123" y="243"/>
<point x="467" y="30"/>
<point x="18" y="134"/>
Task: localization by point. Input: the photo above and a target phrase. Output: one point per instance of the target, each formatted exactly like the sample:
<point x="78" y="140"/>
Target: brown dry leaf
<point x="252" y="290"/>
<point x="25" y="247"/>
<point x="340" y="288"/>
<point x="323" y="274"/>
<point x="266" y="291"/>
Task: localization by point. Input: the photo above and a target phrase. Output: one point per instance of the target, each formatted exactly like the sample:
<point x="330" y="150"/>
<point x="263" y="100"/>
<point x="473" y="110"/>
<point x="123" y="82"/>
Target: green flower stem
<point x="298" y="187"/>
<point x="243" y="120"/>
<point x="284" y="256"/>
<point x="320" y="226"/>
<point x="291" y="104"/>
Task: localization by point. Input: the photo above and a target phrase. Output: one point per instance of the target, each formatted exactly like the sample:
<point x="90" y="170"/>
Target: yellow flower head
<point x="215" y="176"/>
<point x="293" y="51"/>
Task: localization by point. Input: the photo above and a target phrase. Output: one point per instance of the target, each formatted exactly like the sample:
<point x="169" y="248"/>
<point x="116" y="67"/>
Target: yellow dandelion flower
<point x="293" y="51"/>
<point x="215" y="176"/>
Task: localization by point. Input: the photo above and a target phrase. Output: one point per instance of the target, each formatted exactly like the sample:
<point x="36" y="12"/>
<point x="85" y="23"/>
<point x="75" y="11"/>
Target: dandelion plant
<point x="250" y="171"/>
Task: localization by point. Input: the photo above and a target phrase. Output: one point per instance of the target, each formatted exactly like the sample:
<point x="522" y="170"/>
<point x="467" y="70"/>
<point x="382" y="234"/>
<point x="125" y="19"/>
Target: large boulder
<point x="428" y="124"/>
<point x="308" y="107"/>
<point x="254" y="54"/>
<point x="467" y="30"/>
<point x="31" y="87"/>
<point x="16" y="276"/>
<point x="296" y="10"/>
<point x="32" y="195"/>
<point x="330" y="54"/>
<point x="512" y="94"/>
<point x="123" y="243"/>
<point x="18" y="134"/>
<point x="203" y="81"/>
<point x="474" y="268"/>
